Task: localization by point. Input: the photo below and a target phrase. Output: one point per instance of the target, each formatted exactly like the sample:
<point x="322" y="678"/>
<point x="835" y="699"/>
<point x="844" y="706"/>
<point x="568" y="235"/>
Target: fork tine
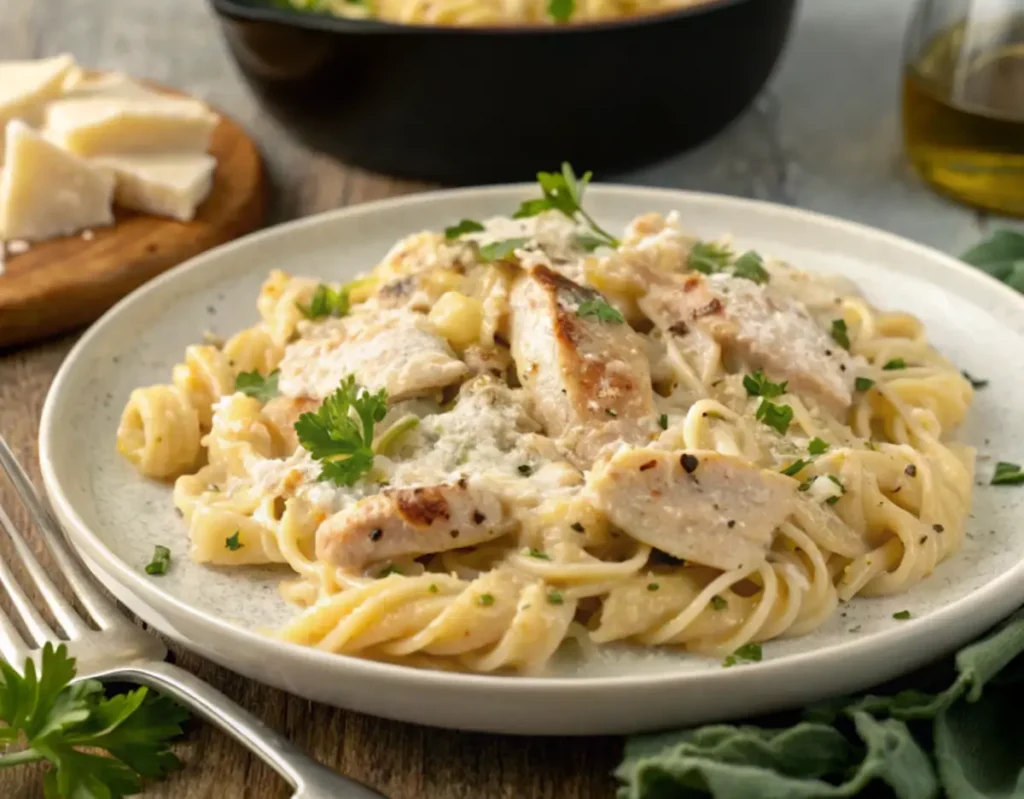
<point x="64" y="613"/>
<point x="12" y="645"/>
<point x="38" y="629"/>
<point x="101" y="609"/>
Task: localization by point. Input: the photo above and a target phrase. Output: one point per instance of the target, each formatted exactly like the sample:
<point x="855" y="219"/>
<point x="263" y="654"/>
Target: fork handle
<point x="310" y="779"/>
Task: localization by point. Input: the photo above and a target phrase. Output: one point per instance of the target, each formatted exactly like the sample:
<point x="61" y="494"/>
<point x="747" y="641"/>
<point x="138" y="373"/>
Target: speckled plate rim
<point x="858" y="659"/>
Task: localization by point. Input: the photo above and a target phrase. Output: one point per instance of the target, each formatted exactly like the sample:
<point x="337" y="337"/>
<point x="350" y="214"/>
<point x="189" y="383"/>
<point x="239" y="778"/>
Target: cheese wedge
<point x="116" y="125"/>
<point x="46" y="192"/>
<point x="108" y="85"/>
<point x="173" y="185"/>
<point x="26" y="86"/>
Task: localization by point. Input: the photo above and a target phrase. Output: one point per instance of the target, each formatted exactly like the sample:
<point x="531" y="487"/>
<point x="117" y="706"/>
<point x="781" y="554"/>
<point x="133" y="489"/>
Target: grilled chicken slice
<point x="760" y="327"/>
<point x="588" y="377"/>
<point x="410" y="521"/>
<point x="396" y="351"/>
<point x="705" y="507"/>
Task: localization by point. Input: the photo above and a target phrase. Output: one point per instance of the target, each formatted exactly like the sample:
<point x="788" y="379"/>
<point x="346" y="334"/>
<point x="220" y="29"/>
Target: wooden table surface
<point x="794" y="146"/>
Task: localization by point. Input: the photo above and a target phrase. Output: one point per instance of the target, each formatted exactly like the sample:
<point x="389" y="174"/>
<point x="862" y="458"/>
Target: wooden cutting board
<point x="66" y="283"/>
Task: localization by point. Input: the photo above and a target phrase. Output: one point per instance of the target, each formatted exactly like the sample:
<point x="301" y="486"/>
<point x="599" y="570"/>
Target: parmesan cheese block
<point x="171" y="185"/>
<point x="46" y="192"/>
<point x="108" y="85"/>
<point x="26" y="86"/>
<point x="94" y="126"/>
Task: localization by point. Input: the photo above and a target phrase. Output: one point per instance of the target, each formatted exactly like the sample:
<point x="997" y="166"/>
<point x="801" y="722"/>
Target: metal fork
<point x="121" y="651"/>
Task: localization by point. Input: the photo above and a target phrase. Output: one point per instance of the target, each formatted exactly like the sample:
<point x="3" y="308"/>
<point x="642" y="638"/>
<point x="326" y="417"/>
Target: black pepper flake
<point x="938" y="528"/>
<point x="611" y="412"/>
<point x="731" y="523"/>
<point x="910" y="471"/>
<point x="577" y="527"/>
<point x="454" y="533"/>
<point x="828" y="352"/>
<point x="462" y="482"/>
<point x="478" y="517"/>
<point x="376" y="535"/>
<point x="525" y="470"/>
<point x="689" y="462"/>
<point x="842" y="367"/>
<point x="649" y="465"/>
<point x="924" y="539"/>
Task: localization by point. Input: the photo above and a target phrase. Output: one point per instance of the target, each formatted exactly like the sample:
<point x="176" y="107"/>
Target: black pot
<point x="476" y="105"/>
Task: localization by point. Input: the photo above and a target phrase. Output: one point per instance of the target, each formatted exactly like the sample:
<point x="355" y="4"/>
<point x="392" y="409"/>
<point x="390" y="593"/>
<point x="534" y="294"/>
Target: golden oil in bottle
<point x="963" y="114"/>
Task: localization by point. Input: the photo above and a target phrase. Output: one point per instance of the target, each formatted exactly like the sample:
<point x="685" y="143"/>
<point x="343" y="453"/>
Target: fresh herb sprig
<point x="255" y="385"/>
<point x="563" y="191"/>
<point x="326" y="301"/>
<point x="1007" y="474"/>
<point x="708" y="258"/>
<point x="340" y="433"/>
<point x="64" y="723"/>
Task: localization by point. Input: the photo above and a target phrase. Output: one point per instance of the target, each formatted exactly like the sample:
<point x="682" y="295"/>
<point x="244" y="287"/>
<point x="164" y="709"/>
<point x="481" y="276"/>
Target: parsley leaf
<point x="750" y="266"/>
<point x="563" y="191"/>
<point x="255" y="385"/>
<point x="840" y="334"/>
<point x="842" y="489"/>
<point x="56" y="719"/>
<point x="556" y="598"/>
<point x="902" y="615"/>
<point x="1002" y="256"/>
<point x="795" y="468"/>
<point x="326" y="302"/>
<point x="390" y="569"/>
<point x="462" y="228"/>
<point x="161" y="561"/>
<point x="817" y="446"/>
<point x="499" y="250"/>
<point x="1007" y="474"/>
<point x="561" y="10"/>
<point x="719" y="602"/>
<point x="536" y="553"/>
<point x="663" y="421"/>
<point x="343" y="443"/>
<point x="895" y="363"/>
<point x="707" y="257"/>
<point x="599" y="308"/>
<point x="748" y="653"/>
<point x="232" y="542"/>
<point x="485" y="600"/>
<point x="863" y="383"/>
<point x="757" y="385"/>
<point x="778" y="417"/>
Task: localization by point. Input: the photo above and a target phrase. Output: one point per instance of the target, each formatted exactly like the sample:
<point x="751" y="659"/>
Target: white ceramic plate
<point x="115" y="518"/>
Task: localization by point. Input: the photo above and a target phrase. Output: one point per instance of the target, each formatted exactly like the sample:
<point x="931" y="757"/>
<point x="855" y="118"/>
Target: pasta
<point x="491" y="12"/>
<point x="548" y="441"/>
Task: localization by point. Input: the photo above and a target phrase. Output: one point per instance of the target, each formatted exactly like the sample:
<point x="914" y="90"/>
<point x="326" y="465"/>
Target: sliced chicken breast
<point x="410" y="521"/>
<point x="764" y="329"/>
<point x="705" y="507"/>
<point x="396" y="351"/>
<point x="588" y="376"/>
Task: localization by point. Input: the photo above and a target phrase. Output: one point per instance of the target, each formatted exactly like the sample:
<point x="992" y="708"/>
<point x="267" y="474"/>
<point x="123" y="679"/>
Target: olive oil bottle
<point x="963" y="111"/>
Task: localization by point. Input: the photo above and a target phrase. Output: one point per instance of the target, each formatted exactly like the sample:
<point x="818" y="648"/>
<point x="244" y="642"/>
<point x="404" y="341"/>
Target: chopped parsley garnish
<point x="903" y="615"/>
<point x="161" y="561"/>
<point x="817" y="446"/>
<point x="601" y="310"/>
<point x="232" y="542"/>
<point x="433" y="588"/>
<point x="561" y="10"/>
<point x="757" y="385"/>
<point x="556" y="598"/>
<point x="750" y="266"/>
<point x="748" y="653"/>
<point x="390" y="569"/>
<point x="719" y="602"/>
<point x="863" y="383"/>
<point x="895" y="363"/>
<point x="461" y="229"/>
<point x="842" y="489"/>
<point x="486" y="600"/>
<point x="795" y="468"/>
<point x="663" y="421"/>
<point x="536" y="553"/>
<point x="66" y="722"/>
<point x="975" y="383"/>
<point x="1007" y="474"/>
<point x="340" y="433"/>
<point x="708" y="257"/>
<point x="563" y="192"/>
<point x="775" y="416"/>
<point x="653" y="586"/>
<point x="840" y="334"/>
<point x="326" y="302"/>
<point x="499" y="250"/>
<point x="255" y="385"/>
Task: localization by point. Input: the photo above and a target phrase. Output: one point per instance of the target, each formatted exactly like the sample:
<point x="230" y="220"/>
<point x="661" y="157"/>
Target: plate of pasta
<point x="555" y="458"/>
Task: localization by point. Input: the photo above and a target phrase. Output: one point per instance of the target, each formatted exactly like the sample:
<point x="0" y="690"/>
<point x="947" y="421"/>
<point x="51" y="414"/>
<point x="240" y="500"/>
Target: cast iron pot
<point x="477" y="105"/>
